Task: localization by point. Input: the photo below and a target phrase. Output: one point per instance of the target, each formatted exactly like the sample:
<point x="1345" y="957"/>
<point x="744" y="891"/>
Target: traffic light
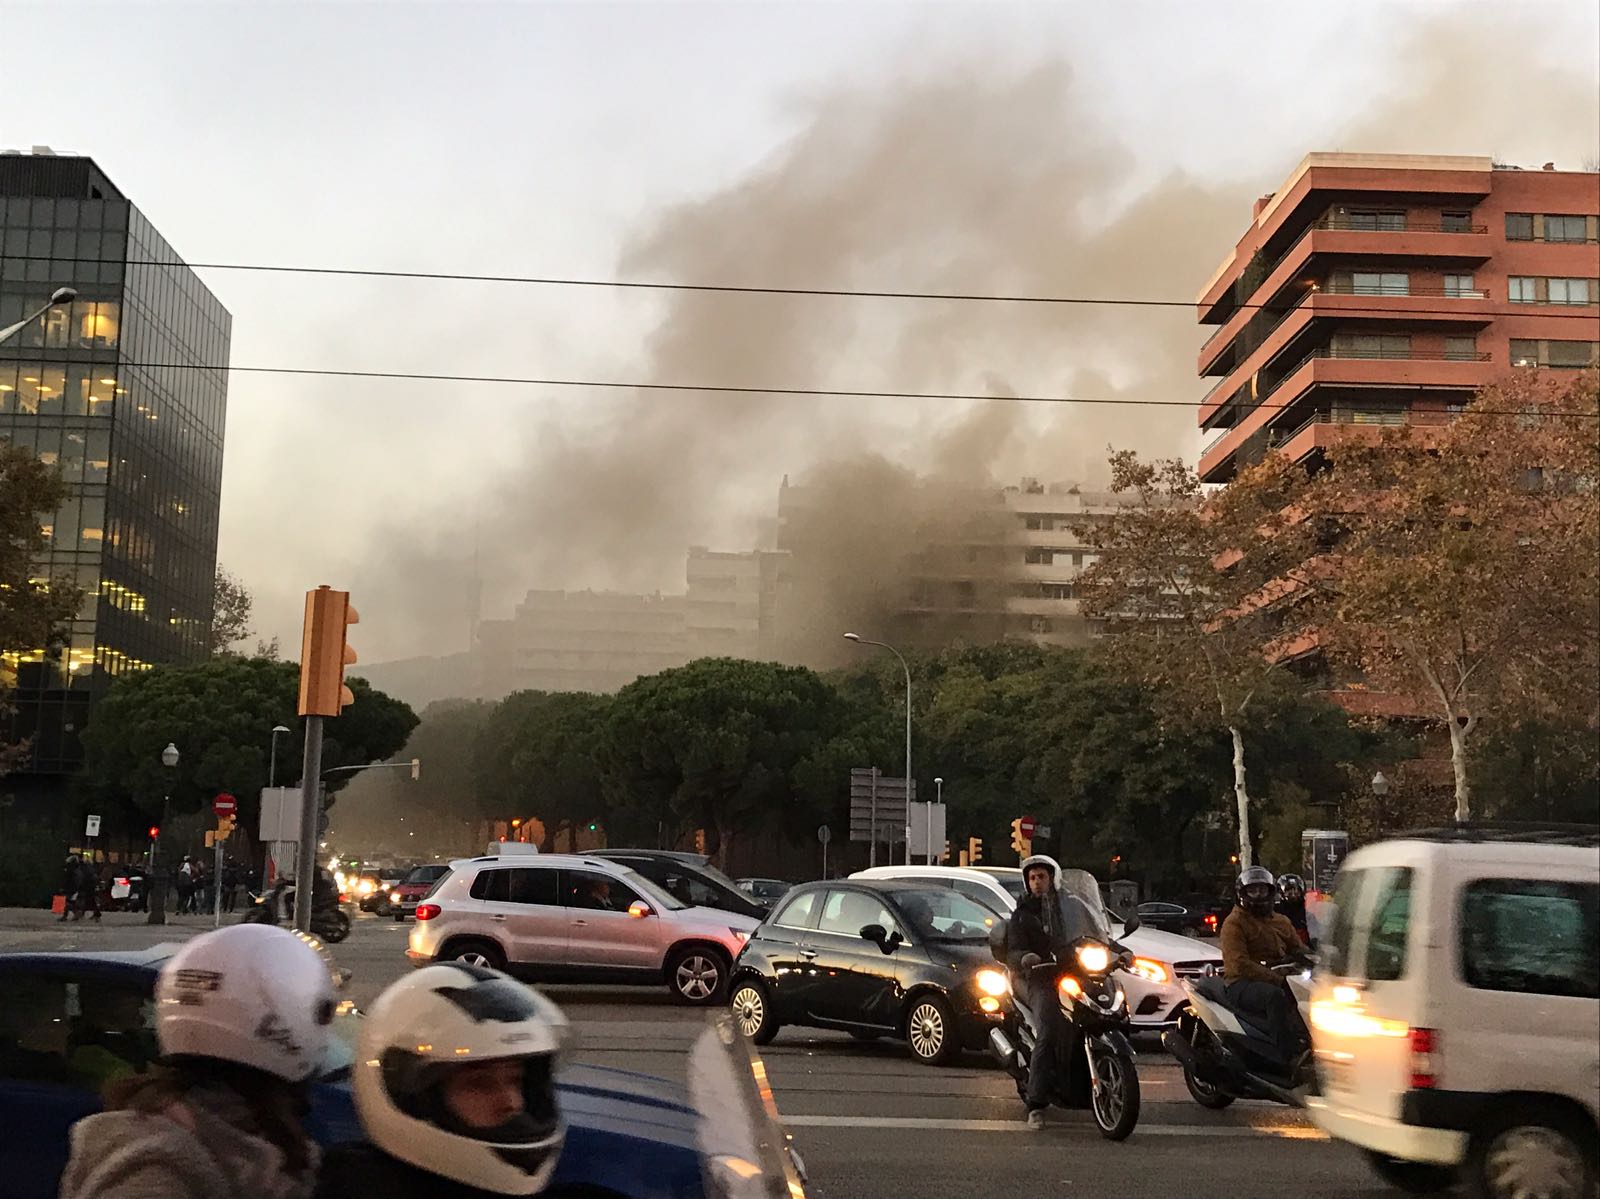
<point x="974" y="850"/>
<point x="224" y="827"/>
<point x="1023" y="846"/>
<point x="325" y="652"/>
<point x="593" y="826"/>
<point x="946" y="855"/>
<point x="155" y="832"/>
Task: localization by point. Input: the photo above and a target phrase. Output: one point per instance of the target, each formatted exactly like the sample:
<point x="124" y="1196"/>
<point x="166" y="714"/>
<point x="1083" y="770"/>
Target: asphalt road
<point x="871" y="1123"/>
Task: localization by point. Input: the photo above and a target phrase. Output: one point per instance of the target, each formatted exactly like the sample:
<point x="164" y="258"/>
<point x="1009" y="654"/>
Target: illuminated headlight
<point x="1096" y="959"/>
<point x="1151" y="971"/>
<point x="992" y="982"/>
<point x="394" y="897"/>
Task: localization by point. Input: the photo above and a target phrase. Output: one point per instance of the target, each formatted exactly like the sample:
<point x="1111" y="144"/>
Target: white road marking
<point x="1288" y="1132"/>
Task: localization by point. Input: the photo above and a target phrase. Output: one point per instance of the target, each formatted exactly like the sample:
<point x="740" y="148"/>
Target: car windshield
<point x="709" y="871"/>
<point x="940" y="914"/>
<point x="650" y="891"/>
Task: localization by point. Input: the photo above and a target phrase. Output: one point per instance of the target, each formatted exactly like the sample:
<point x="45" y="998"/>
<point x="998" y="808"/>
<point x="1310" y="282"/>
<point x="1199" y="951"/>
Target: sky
<point x="1065" y="149"/>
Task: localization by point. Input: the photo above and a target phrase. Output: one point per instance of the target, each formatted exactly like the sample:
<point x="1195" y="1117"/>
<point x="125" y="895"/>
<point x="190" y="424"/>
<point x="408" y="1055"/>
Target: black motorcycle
<point x="328" y="921"/>
<point x="1096" y="1011"/>
<point x="1227" y="1054"/>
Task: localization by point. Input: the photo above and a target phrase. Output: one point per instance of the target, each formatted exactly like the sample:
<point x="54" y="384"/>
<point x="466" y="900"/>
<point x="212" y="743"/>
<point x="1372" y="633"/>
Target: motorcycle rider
<point x="1292" y="904"/>
<point x="1043" y="926"/>
<point x="242" y="1018"/>
<point x="455" y="1087"/>
<point x="1254" y="934"/>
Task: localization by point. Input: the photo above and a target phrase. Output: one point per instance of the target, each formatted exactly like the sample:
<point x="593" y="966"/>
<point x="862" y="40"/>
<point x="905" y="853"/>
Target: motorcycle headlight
<point x="992" y="982"/>
<point x="1096" y="959"/>
<point x="1151" y="971"/>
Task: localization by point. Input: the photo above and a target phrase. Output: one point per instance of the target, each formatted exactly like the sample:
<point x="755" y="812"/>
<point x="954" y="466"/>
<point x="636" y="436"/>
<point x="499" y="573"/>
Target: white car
<point x="572" y="918"/>
<point x="1155" y="996"/>
<point x="1455" y="1011"/>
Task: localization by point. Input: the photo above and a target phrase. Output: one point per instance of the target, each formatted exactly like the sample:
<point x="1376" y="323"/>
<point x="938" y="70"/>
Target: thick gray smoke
<point x="977" y="176"/>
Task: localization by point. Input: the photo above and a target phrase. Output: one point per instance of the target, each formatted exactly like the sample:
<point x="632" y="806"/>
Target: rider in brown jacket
<point x="1254" y="937"/>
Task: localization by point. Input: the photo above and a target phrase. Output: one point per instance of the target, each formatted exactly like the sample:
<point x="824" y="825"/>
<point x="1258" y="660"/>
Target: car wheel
<point x="1528" y="1156"/>
<point x="752" y="1012"/>
<point x="1414" y="1178"/>
<point x="931" y="1031"/>
<point x="697" y="975"/>
<point x="475" y="953"/>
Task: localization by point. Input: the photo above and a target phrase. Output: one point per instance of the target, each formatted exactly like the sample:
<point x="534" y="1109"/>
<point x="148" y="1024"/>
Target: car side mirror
<point x="875" y="933"/>
<point x="1132" y="924"/>
<point x="639" y="909"/>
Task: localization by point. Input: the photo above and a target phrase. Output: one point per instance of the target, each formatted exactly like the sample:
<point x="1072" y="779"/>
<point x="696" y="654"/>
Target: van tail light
<point x="427" y="911"/>
<point x="1424" y="1059"/>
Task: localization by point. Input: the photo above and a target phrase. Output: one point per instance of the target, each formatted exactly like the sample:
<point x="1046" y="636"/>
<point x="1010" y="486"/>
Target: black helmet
<point x="1292" y="887"/>
<point x="1255" y="890"/>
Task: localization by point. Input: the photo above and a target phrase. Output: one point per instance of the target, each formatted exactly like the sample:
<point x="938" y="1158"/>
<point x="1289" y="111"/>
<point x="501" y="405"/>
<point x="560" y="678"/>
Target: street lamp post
<point x="158" y="880"/>
<point x="272" y="767"/>
<point x="938" y="787"/>
<point x="61" y="295"/>
<point x="268" y="848"/>
<point x="860" y="640"/>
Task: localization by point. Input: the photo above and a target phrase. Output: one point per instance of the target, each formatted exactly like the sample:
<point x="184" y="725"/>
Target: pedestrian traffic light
<point x="325" y="652"/>
<point x="154" y="832"/>
<point x="1023" y="846"/>
<point x="974" y="850"/>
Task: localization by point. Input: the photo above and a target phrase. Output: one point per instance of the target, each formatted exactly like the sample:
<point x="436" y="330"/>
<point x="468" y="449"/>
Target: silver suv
<point x="571" y="918"/>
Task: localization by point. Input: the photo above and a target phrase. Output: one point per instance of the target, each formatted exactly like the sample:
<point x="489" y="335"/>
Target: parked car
<point x="414" y="888"/>
<point x="765" y="891"/>
<point x="874" y="958"/>
<point x="1193" y="916"/>
<point x="689" y="877"/>
<point x="1155" y="996"/>
<point x="388" y="878"/>
<point x="1454" y="1010"/>
<point x="69" y="1018"/>
<point x="577" y="918"/>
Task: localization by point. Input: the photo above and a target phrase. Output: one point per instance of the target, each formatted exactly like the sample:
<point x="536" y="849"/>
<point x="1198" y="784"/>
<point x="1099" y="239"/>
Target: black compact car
<point x="688" y="877"/>
<point x="1190" y="915"/>
<point x="874" y="958"/>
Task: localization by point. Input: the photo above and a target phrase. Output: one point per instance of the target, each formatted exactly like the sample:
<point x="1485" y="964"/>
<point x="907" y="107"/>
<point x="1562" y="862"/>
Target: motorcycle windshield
<point x="744" y="1151"/>
<point x="1083" y="913"/>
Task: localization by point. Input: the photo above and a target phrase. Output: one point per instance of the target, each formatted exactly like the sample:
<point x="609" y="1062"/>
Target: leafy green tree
<point x="556" y="763"/>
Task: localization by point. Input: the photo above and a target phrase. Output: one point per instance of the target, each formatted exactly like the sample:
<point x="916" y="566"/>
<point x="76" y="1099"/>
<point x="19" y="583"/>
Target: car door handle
<point x="496" y="916"/>
<point x="808" y="954"/>
<point x="581" y="923"/>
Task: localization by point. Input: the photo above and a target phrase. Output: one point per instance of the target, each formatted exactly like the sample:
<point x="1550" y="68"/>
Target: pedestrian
<point x="455" y="1087"/>
<point x="88" y="887"/>
<point x="242" y="1018"/>
<point x="186" y="886"/>
<point x="70" y="876"/>
<point x="230" y="886"/>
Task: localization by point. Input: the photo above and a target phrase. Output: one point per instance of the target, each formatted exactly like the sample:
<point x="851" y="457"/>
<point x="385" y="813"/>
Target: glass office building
<point x="125" y="390"/>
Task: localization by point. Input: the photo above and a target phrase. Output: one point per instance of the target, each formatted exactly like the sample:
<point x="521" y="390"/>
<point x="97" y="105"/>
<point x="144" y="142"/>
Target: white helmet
<point x="440" y="1020"/>
<point x="253" y="994"/>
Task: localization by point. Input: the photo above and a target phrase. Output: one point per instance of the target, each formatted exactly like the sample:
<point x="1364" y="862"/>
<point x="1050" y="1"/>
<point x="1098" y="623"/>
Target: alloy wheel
<point x="749" y="1010"/>
<point x="1533" y="1162"/>
<point x="1107" y="1096"/>
<point x="698" y="977"/>
<point x="474" y="958"/>
<point x="925" y="1031"/>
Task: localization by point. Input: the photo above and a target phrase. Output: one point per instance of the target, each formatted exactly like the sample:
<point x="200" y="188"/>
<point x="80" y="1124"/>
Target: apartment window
<point x="1569" y="291"/>
<point x="1041" y="624"/>
<point x="1039" y="557"/>
<point x="1459" y="287"/>
<point x="1519" y="226"/>
<point x="1566" y="228"/>
<point x="1522" y="289"/>
<point x="1524" y="352"/>
<point x="1570" y="353"/>
<point x="1385" y="283"/>
<point x="1386" y="220"/>
<point x="1455" y="222"/>
<point x="1460" y="349"/>
<point x="1036" y="523"/>
<point x="1372" y="345"/>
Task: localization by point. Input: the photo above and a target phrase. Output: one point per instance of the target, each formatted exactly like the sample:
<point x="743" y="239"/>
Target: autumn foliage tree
<point x="1467" y="561"/>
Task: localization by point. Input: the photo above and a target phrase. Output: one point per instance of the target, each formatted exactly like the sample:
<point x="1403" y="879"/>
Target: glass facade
<point x="126" y="390"/>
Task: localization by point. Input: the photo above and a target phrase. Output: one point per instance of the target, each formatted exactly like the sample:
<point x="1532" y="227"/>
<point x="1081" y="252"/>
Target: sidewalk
<point x="41" y="930"/>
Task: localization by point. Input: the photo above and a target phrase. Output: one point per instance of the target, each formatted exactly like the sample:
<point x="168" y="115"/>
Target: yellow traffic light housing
<point x="1023" y="846"/>
<point x="325" y="651"/>
<point x="974" y="850"/>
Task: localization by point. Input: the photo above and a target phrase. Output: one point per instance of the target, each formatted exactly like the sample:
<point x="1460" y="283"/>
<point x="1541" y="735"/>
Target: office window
<point x="1522" y="289"/>
<point x="1455" y="222"/>
<point x="1384" y="283"/>
<point x="1566" y="228"/>
<point x="1570" y="353"/>
<point x="1569" y="291"/>
<point x="1458" y="286"/>
<point x="1460" y="349"/>
<point x="1519" y="226"/>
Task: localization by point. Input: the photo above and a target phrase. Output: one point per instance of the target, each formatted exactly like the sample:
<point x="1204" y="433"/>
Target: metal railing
<point x="1435" y="290"/>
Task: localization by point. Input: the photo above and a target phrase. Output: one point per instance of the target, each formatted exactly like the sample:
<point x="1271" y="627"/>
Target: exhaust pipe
<point x="1004" y="1052"/>
<point x="1178" y="1046"/>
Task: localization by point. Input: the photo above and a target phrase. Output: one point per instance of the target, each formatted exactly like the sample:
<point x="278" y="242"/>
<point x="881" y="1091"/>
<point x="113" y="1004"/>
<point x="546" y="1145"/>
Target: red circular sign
<point x="224" y="805"/>
<point x="1027" y="826"/>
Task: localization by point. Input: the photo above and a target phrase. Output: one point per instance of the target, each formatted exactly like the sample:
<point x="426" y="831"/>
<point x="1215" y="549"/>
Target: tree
<point x="231" y="606"/>
<point x="557" y="763"/>
<point x="220" y="714"/>
<point x="32" y="610"/>
<point x="1466" y="581"/>
<point x="1203" y="596"/>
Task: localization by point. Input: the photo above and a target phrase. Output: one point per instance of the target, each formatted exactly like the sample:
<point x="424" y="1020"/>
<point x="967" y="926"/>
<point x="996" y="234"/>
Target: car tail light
<point x="121" y="882"/>
<point x="1211" y="920"/>
<point x="427" y="911"/>
<point x="1424" y="1059"/>
<point x="343" y="898"/>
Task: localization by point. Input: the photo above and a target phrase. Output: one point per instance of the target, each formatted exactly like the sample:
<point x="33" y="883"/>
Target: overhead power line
<point x="814" y="392"/>
<point x="743" y="289"/>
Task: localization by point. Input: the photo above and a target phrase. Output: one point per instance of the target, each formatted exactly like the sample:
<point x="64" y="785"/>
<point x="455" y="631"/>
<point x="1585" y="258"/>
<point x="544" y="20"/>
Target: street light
<point x="272" y="769"/>
<point x="860" y="640"/>
<point x="1380" y="785"/>
<point x="158" y="882"/>
<point x="938" y="784"/>
<point x="61" y="295"/>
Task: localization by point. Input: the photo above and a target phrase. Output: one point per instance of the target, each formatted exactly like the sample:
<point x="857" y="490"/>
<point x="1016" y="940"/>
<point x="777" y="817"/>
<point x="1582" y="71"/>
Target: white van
<point x="1455" y="1011"/>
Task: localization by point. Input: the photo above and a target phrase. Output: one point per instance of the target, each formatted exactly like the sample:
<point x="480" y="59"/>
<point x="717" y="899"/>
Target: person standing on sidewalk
<point x="70" y="876"/>
<point x="88" y="887"/>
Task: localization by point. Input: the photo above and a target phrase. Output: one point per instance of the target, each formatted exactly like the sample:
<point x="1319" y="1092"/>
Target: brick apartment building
<point x="1385" y="289"/>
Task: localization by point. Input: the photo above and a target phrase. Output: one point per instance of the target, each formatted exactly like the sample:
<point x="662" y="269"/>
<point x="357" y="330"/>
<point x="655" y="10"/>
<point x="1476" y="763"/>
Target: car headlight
<point x="1096" y="959"/>
<point x="1151" y="971"/>
<point x="992" y="982"/>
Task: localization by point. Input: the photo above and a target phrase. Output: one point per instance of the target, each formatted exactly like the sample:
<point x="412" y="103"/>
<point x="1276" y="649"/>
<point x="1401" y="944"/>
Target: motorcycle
<point x="1227" y="1054"/>
<point x="1096" y="1010"/>
<point x="276" y="906"/>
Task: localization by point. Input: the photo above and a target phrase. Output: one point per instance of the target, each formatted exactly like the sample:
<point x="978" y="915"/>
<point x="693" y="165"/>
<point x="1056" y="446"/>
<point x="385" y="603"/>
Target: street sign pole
<point x="872" y="851"/>
<point x="824" y="835"/>
<point x="310" y="809"/>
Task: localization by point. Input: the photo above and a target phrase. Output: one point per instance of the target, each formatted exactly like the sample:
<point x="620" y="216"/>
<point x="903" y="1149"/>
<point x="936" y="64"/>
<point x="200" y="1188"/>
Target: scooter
<point x="328" y="921"/>
<point x="1228" y="1055"/>
<point x="1096" y="1011"/>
